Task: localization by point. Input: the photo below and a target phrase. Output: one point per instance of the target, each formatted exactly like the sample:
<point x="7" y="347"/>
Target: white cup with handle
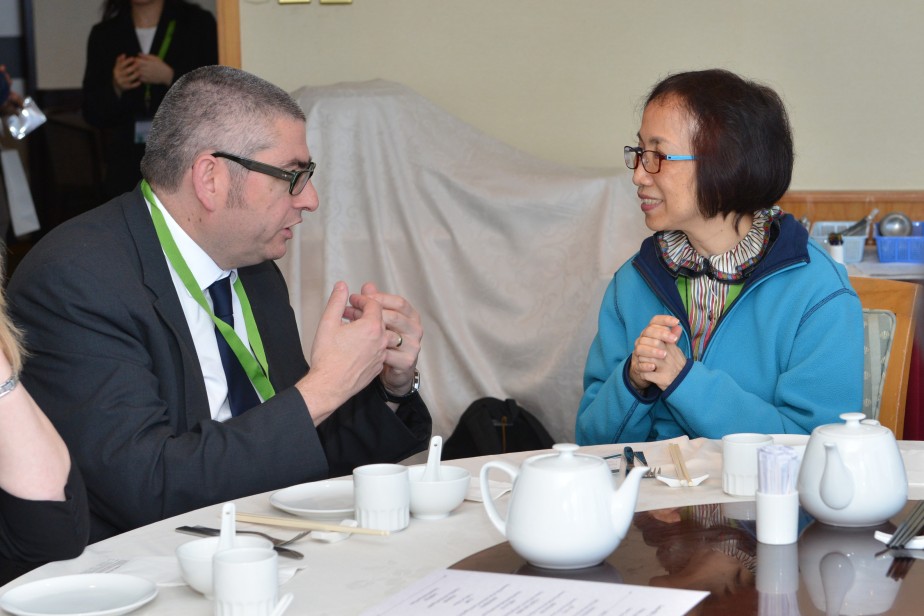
<point x="739" y="462"/>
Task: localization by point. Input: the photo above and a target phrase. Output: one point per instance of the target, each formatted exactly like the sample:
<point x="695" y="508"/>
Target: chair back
<point x="889" y="318"/>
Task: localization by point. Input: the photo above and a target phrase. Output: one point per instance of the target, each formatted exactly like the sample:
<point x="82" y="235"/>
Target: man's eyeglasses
<point x="297" y="179"/>
<point x="651" y="160"/>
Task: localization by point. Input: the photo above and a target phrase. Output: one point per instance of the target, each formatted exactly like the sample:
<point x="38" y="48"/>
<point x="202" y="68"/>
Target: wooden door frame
<point x="228" y="16"/>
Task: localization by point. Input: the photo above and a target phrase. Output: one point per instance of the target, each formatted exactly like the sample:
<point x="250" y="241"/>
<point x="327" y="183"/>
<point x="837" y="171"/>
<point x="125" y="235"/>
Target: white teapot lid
<point x="855" y="425"/>
<point x="565" y="459"/>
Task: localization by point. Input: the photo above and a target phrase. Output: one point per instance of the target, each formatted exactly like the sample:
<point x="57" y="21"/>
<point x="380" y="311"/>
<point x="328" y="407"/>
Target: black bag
<point x="491" y="426"/>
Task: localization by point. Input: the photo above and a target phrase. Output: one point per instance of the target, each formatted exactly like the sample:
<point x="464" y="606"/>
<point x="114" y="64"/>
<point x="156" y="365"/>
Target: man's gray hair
<point x="213" y="108"/>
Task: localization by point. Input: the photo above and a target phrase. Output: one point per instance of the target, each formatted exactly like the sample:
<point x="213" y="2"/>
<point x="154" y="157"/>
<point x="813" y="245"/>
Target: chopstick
<point x="679" y="465"/>
<point x="269" y="520"/>
<point x="908" y="528"/>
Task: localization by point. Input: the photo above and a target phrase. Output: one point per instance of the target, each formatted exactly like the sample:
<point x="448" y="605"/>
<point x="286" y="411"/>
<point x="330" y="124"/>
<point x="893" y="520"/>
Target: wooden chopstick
<point x="679" y="465"/>
<point x="269" y="520"/>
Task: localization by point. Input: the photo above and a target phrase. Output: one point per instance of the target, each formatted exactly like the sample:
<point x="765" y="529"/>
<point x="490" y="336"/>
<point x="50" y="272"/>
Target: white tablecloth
<point x="349" y="576"/>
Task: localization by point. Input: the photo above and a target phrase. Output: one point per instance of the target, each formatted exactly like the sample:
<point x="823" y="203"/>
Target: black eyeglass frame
<point x="639" y="154"/>
<point x="294" y="178"/>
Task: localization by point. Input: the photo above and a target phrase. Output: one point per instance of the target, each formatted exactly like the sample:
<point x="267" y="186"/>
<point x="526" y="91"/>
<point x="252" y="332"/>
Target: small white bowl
<point x="195" y="559"/>
<point x="432" y="500"/>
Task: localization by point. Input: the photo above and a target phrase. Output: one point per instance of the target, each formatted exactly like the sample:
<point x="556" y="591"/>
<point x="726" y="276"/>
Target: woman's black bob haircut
<point x="740" y="136"/>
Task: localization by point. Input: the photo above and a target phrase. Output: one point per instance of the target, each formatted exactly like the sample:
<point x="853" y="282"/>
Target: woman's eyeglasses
<point x="651" y="160"/>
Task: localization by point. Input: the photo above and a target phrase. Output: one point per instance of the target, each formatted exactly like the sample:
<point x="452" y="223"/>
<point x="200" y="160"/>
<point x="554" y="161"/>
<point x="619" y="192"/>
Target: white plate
<point x="792" y="440"/>
<point x="320" y="500"/>
<point x="85" y="594"/>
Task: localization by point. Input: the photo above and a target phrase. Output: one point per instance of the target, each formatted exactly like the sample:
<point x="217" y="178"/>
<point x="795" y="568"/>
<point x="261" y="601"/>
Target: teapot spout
<point x="836" y="480"/>
<point x="624" y="501"/>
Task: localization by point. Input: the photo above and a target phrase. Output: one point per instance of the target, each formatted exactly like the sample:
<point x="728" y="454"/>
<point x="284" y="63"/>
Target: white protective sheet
<point x="505" y="256"/>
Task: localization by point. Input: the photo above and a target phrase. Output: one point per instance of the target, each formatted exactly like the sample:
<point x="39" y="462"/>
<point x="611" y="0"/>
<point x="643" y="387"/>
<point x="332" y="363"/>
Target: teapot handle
<point x="489" y="507"/>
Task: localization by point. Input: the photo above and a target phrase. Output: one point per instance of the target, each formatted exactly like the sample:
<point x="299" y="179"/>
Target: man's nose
<point x="308" y="198"/>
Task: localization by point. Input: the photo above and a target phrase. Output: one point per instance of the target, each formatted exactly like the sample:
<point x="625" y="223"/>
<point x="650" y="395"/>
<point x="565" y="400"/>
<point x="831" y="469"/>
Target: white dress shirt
<point x="145" y="38"/>
<point x="201" y="326"/>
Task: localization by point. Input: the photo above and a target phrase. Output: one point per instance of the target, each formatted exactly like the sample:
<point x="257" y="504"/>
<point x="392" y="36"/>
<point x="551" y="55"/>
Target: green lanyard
<point x="257" y="368"/>
<point x="161" y="53"/>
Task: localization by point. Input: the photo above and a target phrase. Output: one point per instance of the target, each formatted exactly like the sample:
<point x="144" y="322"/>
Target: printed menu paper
<point x="472" y="593"/>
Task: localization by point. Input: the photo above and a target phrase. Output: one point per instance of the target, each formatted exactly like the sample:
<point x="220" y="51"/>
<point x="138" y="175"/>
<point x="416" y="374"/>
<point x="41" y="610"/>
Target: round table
<point x="358" y="573"/>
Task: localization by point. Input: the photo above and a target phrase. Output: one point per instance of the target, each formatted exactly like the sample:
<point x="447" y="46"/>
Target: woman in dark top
<point x="43" y="502"/>
<point x="133" y="56"/>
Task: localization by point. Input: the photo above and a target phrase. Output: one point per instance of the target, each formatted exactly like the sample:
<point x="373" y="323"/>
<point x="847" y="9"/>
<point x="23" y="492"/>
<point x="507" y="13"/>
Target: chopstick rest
<point x="683" y="479"/>
<point x="329" y="536"/>
<point x="680" y="483"/>
<point x="916" y="543"/>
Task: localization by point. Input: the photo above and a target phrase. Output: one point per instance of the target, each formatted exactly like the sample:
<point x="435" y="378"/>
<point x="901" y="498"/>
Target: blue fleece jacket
<point x="785" y="357"/>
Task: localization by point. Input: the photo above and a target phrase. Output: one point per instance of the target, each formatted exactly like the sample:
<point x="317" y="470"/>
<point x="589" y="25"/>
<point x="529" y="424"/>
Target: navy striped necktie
<point x="241" y="394"/>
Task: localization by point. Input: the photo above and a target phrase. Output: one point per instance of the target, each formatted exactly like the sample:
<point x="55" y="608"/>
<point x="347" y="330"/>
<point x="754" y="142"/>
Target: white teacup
<point x="195" y="558"/>
<point x="381" y="495"/>
<point x="739" y="462"/>
<point x="246" y="581"/>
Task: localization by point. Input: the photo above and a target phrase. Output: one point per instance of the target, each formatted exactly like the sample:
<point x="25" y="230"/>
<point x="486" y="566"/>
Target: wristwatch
<point x="390" y="397"/>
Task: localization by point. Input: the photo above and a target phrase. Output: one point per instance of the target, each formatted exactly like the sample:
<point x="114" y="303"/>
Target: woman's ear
<point x="210" y="181"/>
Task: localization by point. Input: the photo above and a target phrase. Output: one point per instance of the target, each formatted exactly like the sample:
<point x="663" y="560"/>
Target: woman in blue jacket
<point x="728" y="319"/>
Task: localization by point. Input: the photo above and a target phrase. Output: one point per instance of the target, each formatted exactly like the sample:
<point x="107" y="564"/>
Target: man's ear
<point x="211" y="181"/>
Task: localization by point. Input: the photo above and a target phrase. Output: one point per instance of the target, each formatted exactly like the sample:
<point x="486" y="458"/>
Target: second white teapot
<point x="852" y="473"/>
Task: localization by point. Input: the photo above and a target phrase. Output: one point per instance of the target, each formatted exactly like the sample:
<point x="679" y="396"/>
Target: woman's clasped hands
<point x="656" y="359"/>
<point x="130" y="72"/>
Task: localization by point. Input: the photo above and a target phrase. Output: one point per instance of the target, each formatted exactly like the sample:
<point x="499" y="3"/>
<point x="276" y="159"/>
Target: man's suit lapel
<point x="272" y="312"/>
<point x="156" y="276"/>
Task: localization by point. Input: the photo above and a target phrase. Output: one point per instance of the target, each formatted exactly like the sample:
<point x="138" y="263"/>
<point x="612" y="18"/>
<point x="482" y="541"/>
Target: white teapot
<point x="852" y="474"/>
<point x="564" y="511"/>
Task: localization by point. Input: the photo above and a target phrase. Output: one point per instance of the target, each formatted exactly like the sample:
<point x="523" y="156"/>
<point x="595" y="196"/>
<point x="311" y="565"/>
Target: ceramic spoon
<point x="432" y="472"/>
<point x="283" y="604"/>
<point x="226" y="538"/>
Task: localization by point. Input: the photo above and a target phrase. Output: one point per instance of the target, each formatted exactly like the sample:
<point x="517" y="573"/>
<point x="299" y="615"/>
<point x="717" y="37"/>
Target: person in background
<point x="728" y="319"/>
<point x="43" y="502"/>
<point x="163" y="344"/>
<point x="10" y="101"/>
<point x="133" y="56"/>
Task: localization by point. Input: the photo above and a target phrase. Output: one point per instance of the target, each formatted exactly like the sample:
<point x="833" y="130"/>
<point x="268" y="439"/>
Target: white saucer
<point x="320" y="500"/>
<point x="792" y="440"/>
<point x="796" y="441"/>
<point x="85" y="594"/>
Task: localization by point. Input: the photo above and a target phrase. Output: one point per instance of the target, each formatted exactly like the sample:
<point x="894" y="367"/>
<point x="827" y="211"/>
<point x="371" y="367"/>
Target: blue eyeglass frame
<point x="294" y="178"/>
<point x="639" y="157"/>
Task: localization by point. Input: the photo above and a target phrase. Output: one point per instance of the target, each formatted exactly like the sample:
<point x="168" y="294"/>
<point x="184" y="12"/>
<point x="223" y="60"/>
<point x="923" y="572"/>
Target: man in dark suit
<point x="145" y="384"/>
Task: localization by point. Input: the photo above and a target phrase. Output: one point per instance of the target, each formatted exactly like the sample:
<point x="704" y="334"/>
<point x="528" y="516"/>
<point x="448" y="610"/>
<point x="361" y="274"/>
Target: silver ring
<point x="400" y="341"/>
